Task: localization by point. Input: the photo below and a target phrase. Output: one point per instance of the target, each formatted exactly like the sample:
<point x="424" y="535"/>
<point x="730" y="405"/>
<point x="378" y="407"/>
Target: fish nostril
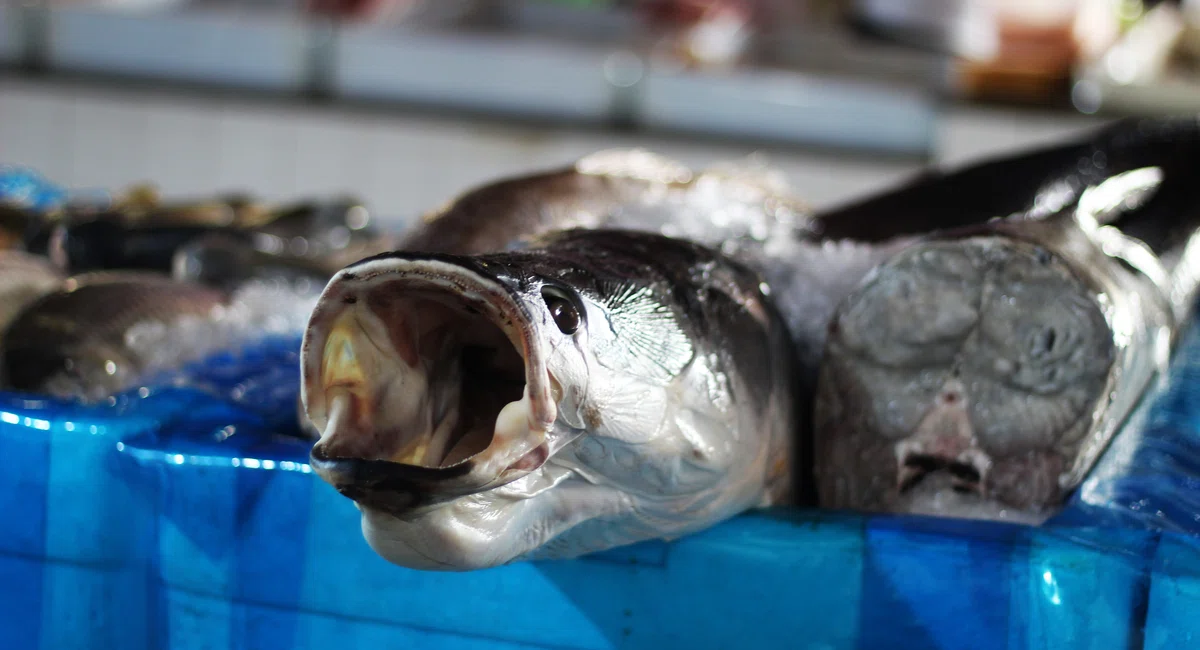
<point x="950" y="397"/>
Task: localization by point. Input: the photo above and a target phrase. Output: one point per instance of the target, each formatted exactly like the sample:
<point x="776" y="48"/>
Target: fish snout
<point x="973" y="362"/>
<point x="424" y="381"/>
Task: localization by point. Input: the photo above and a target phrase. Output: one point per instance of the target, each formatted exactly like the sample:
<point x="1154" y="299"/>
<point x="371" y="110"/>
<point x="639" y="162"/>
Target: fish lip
<point x="395" y="488"/>
<point x="915" y="460"/>
<point x="355" y="477"/>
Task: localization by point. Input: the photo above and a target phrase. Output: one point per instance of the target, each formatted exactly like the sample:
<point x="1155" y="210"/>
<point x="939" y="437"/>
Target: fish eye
<point x="566" y="315"/>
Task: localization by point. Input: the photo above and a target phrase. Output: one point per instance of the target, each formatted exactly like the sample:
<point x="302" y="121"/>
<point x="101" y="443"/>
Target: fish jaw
<point x="388" y="384"/>
<point x="959" y="379"/>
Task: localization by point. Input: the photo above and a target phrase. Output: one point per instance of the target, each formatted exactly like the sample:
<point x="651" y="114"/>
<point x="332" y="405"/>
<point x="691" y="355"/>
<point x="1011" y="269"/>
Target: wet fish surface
<point x="228" y="263"/>
<point x="73" y="342"/>
<point x="597" y="388"/>
<point x="146" y="236"/>
<point x="981" y="372"/>
<point x="109" y="295"/>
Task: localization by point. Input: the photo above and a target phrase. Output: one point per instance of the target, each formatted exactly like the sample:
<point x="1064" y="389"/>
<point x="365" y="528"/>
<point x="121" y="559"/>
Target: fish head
<point x="961" y="379"/>
<point x="490" y="408"/>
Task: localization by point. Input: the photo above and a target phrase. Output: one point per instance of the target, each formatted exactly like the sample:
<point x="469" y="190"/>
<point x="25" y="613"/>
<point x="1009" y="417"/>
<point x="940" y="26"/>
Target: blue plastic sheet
<point x="179" y="517"/>
<point x="27" y="189"/>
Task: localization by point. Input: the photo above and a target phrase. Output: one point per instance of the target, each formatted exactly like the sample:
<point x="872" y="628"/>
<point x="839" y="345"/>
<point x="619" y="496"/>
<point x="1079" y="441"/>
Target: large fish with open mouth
<point x="981" y="372"/>
<point x="598" y="388"/>
<point x="525" y="379"/>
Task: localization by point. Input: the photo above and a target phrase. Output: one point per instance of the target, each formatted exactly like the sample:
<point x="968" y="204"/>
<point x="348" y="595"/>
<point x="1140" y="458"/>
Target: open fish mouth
<point x="967" y="471"/>
<point x="976" y="363"/>
<point x="425" y="378"/>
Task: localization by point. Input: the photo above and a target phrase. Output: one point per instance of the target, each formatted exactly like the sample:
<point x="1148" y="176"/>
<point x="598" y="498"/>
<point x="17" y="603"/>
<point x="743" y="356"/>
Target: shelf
<point x="791" y="108"/>
<point x="505" y="75"/>
<point x="263" y="50"/>
<point x="535" y="78"/>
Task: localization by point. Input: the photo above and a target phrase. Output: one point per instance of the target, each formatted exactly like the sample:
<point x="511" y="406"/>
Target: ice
<point x="216" y="353"/>
<point x="257" y="310"/>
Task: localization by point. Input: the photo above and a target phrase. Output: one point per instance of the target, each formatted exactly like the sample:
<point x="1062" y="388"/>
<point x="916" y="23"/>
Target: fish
<point x="26" y="278"/>
<point x="104" y="241"/>
<point x="143" y="287"/>
<point x="74" y="342"/>
<point x="327" y="225"/>
<point x="435" y="502"/>
<point x="595" y="388"/>
<point x="143" y="235"/>
<point x="743" y="208"/>
<point x="737" y="208"/>
<point x="107" y="332"/>
<point x="982" y="370"/>
<point x="332" y="233"/>
<point x="228" y="263"/>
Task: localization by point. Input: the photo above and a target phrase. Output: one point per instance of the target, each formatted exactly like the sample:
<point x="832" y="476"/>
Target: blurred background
<point x="405" y="103"/>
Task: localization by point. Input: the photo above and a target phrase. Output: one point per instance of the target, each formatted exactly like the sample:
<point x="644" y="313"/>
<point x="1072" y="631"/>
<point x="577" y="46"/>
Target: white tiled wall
<point x="85" y="136"/>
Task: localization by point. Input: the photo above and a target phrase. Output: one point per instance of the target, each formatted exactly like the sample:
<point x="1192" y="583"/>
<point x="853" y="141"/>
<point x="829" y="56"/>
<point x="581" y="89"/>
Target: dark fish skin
<point x="106" y="243"/>
<point x="1032" y="184"/>
<point x="657" y="313"/>
<point x="229" y="263"/>
<point x="490" y="217"/>
<point x="982" y="371"/>
<point x="1166" y="220"/>
<point x="626" y="189"/>
<point x="72" y="341"/>
<point x="327" y="233"/>
<point x="941" y="199"/>
<point x="328" y="223"/>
